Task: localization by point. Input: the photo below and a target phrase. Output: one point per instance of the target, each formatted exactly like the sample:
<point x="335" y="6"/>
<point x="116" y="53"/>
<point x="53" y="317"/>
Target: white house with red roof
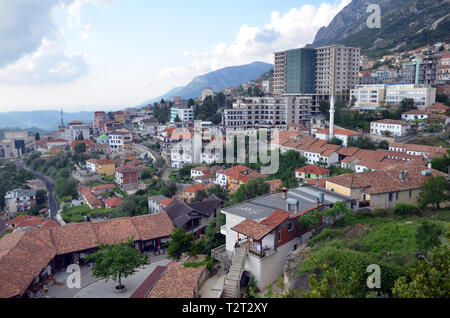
<point x="394" y="128"/>
<point x="342" y="134"/>
<point x="261" y="232"/>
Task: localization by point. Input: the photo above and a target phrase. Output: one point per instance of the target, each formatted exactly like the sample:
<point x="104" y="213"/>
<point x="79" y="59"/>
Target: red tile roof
<point x="313" y="169"/>
<point x="253" y="229"/>
<point x="23" y="255"/>
<point x="113" y="202"/>
<point x="276" y="218"/>
<point x="194" y="188"/>
<point x="177" y="282"/>
<point x="338" y="131"/>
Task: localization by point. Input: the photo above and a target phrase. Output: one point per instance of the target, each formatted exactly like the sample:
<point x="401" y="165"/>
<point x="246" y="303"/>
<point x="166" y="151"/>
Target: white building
<point x="413" y="115"/>
<point x="370" y="97"/>
<point x="342" y="134"/>
<point x="120" y="141"/>
<point x="75" y="130"/>
<point x="184" y="114"/>
<point x="267" y="228"/>
<point x="389" y="128"/>
<point x="423" y="96"/>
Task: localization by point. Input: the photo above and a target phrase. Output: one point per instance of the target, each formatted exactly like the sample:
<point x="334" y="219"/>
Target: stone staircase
<point x="232" y="288"/>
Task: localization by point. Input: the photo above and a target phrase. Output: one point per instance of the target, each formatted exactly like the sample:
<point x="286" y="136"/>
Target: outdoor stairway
<point x="232" y="287"/>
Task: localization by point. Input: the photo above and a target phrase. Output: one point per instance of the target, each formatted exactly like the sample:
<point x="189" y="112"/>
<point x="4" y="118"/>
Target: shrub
<point x="406" y="209"/>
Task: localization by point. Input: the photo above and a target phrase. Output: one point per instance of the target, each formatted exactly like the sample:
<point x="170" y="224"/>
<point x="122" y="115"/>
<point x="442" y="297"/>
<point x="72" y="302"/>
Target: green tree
<point x="427" y="235"/>
<point x="117" y="261"/>
<point x="336" y="141"/>
<point x="254" y="188"/>
<point x="180" y="242"/>
<point x="80" y="148"/>
<point x="177" y="119"/>
<point x="41" y="197"/>
<point x="407" y="104"/>
<point x="66" y="187"/>
<point x="434" y="191"/>
<point x="428" y="278"/>
<point x="37" y="136"/>
<point x="383" y="145"/>
<point x="332" y="283"/>
<point x="441" y="163"/>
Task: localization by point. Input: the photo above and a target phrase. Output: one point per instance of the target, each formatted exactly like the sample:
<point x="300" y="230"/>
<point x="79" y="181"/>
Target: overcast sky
<point x="91" y="54"/>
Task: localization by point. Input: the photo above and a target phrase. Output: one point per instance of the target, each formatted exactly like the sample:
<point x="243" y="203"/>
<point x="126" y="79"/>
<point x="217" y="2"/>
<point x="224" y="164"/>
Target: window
<point x="279" y="236"/>
<point x="410" y="193"/>
<point x="290" y="227"/>
<point x="391" y="196"/>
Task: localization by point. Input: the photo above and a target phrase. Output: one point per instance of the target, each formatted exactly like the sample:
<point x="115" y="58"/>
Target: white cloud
<point x="48" y="64"/>
<point x="293" y="29"/>
<point x="32" y="47"/>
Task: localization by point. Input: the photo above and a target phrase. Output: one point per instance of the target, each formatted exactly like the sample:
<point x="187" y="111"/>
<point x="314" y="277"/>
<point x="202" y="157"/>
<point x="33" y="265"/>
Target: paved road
<point x="52" y="202"/>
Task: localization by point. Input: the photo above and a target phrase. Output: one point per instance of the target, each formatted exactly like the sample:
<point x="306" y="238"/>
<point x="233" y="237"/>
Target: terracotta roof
<point x="194" y="188"/>
<point x="105" y="162"/>
<point x="390" y="122"/>
<point x="113" y="202"/>
<point x="375" y="182"/>
<point x="127" y="169"/>
<point x="166" y="202"/>
<point x="177" y="282"/>
<point x="23" y="255"/>
<point x="253" y="229"/>
<point x="350" y="151"/>
<point x="103" y="187"/>
<point x="87" y="142"/>
<point x="143" y="290"/>
<point x="73" y="237"/>
<point x="152" y="226"/>
<point x="313" y="169"/>
<point x="276" y="218"/>
<point x="338" y="131"/>
<point x="115" y="231"/>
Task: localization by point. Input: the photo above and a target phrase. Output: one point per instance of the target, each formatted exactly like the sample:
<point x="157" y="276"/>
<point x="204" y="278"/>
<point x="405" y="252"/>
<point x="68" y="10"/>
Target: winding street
<point x="50" y="184"/>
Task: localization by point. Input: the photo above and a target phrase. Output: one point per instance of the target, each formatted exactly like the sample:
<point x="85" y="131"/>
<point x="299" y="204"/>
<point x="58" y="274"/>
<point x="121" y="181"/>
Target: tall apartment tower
<point x="337" y="69"/>
<point x="319" y="73"/>
<point x="279" y="73"/>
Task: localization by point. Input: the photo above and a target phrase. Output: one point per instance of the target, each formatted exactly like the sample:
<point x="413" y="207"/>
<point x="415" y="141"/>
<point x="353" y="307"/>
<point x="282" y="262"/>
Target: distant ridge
<point x="42" y="119"/>
<point x="218" y="80"/>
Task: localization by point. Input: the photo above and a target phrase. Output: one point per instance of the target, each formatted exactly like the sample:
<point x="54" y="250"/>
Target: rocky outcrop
<point x="404" y="23"/>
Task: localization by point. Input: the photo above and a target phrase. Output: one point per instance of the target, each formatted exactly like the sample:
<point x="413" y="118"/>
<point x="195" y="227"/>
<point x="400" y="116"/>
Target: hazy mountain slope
<point x="218" y="80"/>
<point x="43" y="119"/>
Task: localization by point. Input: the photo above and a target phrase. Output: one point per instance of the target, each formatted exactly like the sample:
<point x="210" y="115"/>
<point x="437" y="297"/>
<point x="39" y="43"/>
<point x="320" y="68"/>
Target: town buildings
<point x="268" y="112"/>
<point x="128" y="178"/>
<point x="389" y="127"/>
<point x="15" y="144"/>
<point x="268" y="226"/>
<point x="120" y="141"/>
<point x="372" y="97"/>
<point x="184" y="114"/>
<point x="19" y="201"/>
<point x="30" y="258"/>
<point x="311" y="172"/>
<point x="382" y="189"/>
<point x="342" y="134"/>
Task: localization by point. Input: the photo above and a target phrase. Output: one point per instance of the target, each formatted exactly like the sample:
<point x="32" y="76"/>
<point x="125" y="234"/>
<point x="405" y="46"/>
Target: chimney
<point x="284" y="193"/>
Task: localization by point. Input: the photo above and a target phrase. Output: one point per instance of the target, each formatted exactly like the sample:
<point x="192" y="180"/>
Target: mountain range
<point x="405" y="24"/>
<point x="218" y="80"/>
<point x="43" y="119"/>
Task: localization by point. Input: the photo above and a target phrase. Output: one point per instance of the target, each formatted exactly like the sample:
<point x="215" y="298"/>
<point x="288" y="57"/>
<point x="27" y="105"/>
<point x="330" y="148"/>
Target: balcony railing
<point x="266" y="251"/>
